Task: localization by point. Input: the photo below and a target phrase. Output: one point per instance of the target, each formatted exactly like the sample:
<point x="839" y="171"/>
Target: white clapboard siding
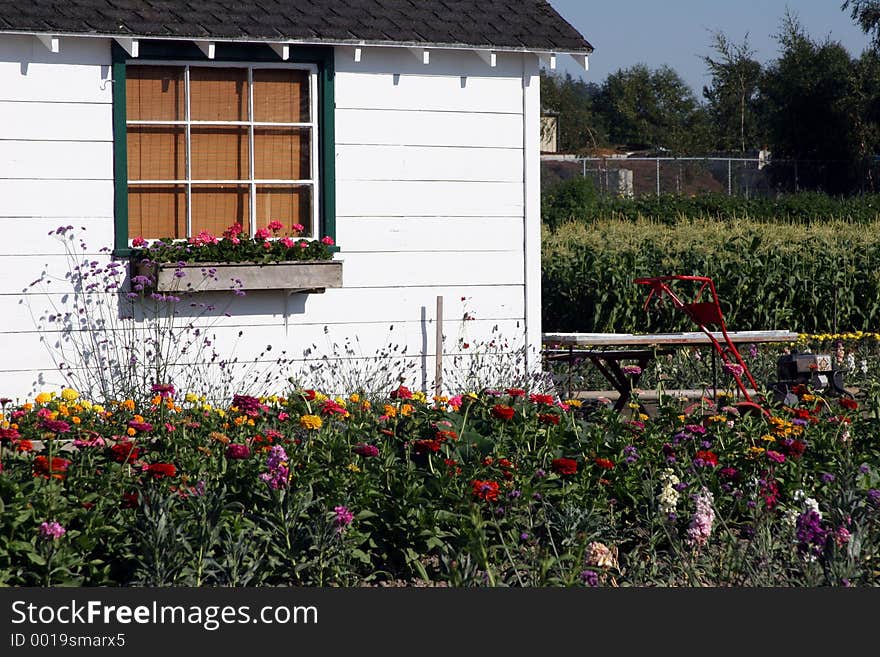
<point x="443" y="63"/>
<point x="56" y="198"/>
<point x="56" y="121"/>
<point x="420" y="128"/>
<point x="26" y="49"/>
<point x="357" y="198"/>
<point x="377" y="162"/>
<point x="22" y="312"/>
<point x="32" y="234"/>
<point x="441" y="269"/>
<point x="21" y="350"/>
<point x="364" y="234"/>
<point x="46" y="160"/>
<point x="69" y="83"/>
<point x="444" y="93"/>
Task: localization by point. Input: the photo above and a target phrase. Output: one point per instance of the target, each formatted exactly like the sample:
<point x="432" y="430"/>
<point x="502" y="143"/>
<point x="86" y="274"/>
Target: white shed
<point x="408" y="132"/>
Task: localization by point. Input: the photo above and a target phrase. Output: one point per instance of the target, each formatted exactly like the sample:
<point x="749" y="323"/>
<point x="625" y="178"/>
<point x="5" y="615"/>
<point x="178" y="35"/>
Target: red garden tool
<point x="706" y="313"/>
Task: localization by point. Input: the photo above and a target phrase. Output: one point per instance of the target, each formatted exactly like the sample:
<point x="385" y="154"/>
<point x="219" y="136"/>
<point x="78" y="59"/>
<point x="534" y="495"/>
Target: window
<point x="204" y="144"/>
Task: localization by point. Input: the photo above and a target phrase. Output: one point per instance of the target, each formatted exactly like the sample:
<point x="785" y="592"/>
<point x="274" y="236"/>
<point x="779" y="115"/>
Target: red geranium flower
<point x="564" y="466"/>
<point x="160" y="470"/>
<point x="548" y="418"/>
<point x="485" y="490"/>
<point x="54" y="468"/>
<point x="606" y="464"/>
<point x="502" y="412"/>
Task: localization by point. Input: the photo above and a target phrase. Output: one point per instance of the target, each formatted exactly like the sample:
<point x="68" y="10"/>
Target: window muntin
<point x="213" y="145"/>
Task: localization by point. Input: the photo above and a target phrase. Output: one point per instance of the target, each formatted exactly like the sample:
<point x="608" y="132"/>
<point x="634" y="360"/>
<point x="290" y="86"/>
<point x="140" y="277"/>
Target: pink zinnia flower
<point x="343" y="518"/>
<point x="51" y="530"/>
<point x="237" y="451"/>
<point x="775" y="456"/>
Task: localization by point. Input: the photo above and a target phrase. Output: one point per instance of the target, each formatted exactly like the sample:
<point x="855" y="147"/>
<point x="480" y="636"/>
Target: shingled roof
<point x="525" y="25"/>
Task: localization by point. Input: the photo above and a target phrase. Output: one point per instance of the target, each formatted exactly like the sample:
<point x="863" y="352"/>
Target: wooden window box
<point x="291" y="276"/>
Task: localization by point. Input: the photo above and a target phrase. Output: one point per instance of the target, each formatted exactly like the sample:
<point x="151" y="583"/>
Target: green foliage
<point x="562" y="201"/>
<point x="732" y="96"/>
<point x="769" y="275"/>
<point x="580" y="127"/>
<point x="653" y="108"/>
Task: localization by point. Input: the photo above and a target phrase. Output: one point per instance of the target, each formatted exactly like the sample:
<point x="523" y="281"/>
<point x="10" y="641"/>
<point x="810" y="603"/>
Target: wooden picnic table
<point x="641" y="349"/>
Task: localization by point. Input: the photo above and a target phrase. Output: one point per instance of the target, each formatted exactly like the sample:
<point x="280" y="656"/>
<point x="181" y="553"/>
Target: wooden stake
<point x="438" y="350"/>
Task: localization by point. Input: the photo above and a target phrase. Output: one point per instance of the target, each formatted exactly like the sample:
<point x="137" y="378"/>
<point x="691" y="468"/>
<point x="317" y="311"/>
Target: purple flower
<point x="874" y="496"/>
<point x="826" y="477"/>
<point x="632" y="370"/>
<point x="540" y="474"/>
<point x="590" y="578"/>
<point x="343" y="518"/>
<point x="524" y="536"/>
<point x="811" y="535"/>
<point x="734" y="369"/>
<point x="51" y="530"/>
<point x="278" y="475"/>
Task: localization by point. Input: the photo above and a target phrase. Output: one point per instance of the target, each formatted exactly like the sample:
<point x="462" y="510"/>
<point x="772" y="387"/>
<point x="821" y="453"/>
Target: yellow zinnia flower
<point x="311" y="422"/>
<point x="44" y="397"/>
<point x="69" y="394"/>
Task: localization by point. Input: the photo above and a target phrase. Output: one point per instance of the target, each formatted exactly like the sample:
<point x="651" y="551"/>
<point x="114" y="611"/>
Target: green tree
<point x="655" y="108"/>
<point x="866" y="13"/>
<point x="580" y="129"/>
<point x="732" y="96"/>
<point x="806" y="98"/>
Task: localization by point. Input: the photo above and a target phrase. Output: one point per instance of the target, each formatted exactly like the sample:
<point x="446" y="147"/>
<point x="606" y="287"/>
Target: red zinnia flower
<point x="541" y="399"/>
<point x="425" y="446"/>
<point x="55" y="426"/>
<point x="485" y="490"/>
<point x="23" y="446"/>
<point x="548" y="418"/>
<point x="515" y="392"/>
<point x="443" y="435"/>
<point x="331" y="407"/>
<point x="129" y="501"/>
<point x="124" y="451"/>
<point x="8" y="434"/>
<point x="502" y="412"/>
<point x="707" y="457"/>
<point x="849" y="404"/>
<point x="794" y="448"/>
<point x="366" y="450"/>
<point x="160" y="470"/>
<point x="401" y="393"/>
<point x="143" y="427"/>
<point x="775" y="456"/>
<point x="607" y="464"/>
<point x="564" y="466"/>
<point x="55" y="468"/>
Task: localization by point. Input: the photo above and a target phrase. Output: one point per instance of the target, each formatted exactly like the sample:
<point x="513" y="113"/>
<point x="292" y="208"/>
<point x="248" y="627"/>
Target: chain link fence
<point x="692" y="176"/>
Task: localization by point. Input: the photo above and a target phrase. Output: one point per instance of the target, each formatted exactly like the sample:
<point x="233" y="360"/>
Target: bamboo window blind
<point x="210" y="146"/>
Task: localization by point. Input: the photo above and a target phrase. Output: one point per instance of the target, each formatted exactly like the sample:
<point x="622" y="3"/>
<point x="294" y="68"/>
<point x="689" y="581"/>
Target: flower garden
<point x="488" y="488"/>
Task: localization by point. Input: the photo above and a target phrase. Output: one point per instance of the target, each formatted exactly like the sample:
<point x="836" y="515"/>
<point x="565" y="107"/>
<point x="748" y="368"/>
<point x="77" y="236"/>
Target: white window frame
<point x="312" y="125"/>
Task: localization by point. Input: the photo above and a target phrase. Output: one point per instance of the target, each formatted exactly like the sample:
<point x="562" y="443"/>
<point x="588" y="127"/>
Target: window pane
<point x="216" y="207"/>
<point x="154" y="93"/>
<point x="219" y="153"/>
<point x="289" y="204"/>
<point x="156" y="211"/>
<point x="156" y="153"/>
<point x="218" y="94"/>
<point x="281" y="154"/>
<point x="281" y="95"/>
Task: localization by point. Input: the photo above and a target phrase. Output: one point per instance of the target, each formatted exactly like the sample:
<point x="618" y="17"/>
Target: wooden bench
<point x="641" y="349"/>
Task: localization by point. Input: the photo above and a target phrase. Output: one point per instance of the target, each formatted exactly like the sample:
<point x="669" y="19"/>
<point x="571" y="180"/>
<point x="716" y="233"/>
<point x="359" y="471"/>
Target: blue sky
<point x="678" y="32"/>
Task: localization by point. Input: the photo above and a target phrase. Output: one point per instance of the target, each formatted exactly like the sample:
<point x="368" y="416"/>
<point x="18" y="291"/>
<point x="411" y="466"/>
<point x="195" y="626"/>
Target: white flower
<point x="668" y="497"/>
